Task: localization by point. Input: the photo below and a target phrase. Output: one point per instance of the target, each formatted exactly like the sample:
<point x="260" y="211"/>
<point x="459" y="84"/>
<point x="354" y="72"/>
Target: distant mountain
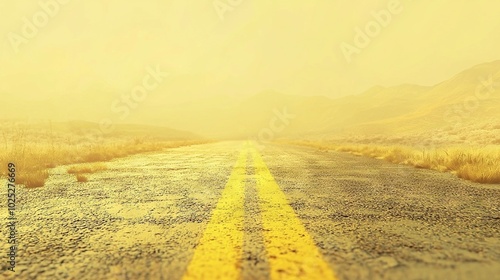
<point x="469" y="97"/>
<point x="463" y="99"/>
<point x="406" y="108"/>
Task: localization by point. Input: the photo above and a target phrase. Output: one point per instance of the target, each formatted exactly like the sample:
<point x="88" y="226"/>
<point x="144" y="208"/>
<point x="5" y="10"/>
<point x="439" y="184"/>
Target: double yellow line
<point x="291" y="252"/>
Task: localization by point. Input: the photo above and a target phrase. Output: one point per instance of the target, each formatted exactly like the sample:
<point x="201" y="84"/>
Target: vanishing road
<point x="233" y="210"/>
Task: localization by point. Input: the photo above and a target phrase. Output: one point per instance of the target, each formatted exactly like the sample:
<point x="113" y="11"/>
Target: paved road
<point x="233" y="210"/>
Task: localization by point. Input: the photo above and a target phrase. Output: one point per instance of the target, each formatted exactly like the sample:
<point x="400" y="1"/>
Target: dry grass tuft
<point x="81" y="178"/>
<point x="33" y="178"/>
<point x="480" y="174"/>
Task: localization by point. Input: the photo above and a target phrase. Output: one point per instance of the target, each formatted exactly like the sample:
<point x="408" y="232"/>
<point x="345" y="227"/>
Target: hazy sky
<point x="104" y="47"/>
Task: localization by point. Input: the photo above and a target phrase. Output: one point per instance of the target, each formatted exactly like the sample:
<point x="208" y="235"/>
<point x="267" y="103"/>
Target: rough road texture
<point x="376" y="220"/>
<point x="142" y="218"/>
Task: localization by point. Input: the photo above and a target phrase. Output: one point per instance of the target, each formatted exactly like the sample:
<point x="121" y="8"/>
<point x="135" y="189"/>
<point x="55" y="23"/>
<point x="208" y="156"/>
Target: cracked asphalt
<point x="143" y="217"/>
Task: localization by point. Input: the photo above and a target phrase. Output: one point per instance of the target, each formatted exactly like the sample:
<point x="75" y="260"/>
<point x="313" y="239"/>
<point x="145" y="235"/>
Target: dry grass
<point x="480" y="164"/>
<point x="87" y="168"/>
<point x="34" y="152"/>
<point x="33" y="159"/>
<point x="81" y="178"/>
<point x="32" y="178"/>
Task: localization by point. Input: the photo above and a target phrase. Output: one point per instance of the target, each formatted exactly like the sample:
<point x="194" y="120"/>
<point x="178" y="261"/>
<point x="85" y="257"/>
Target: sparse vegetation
<point x="35" y="151"/>
<point x="481" y="164"/>
<point x="81" y="178"/>
<point x="86" y="168"/>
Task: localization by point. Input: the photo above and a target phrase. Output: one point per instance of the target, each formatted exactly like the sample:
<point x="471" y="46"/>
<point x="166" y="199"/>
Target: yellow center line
<point x="218" y="254"/>
<point x="291" y="251"/>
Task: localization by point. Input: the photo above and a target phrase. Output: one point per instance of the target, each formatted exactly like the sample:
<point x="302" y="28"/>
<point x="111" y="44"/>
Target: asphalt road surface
<point x="235" y="210"/>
